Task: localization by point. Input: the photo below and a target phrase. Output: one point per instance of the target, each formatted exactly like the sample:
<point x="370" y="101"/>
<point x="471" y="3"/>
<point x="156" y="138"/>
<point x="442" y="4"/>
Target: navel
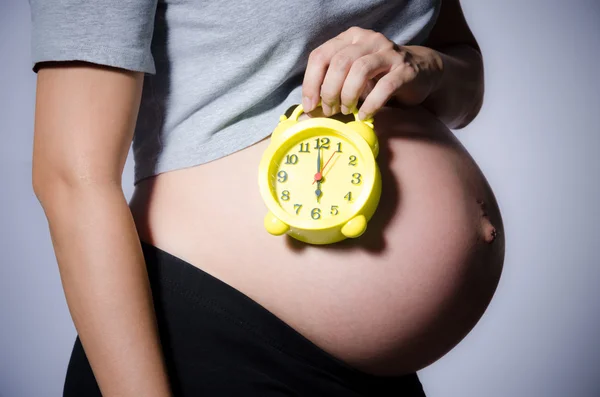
<point x="488" y="230"/>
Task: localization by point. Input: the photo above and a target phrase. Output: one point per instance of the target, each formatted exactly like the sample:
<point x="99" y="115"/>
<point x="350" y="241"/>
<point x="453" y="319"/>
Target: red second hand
<point x="319" y="175"/>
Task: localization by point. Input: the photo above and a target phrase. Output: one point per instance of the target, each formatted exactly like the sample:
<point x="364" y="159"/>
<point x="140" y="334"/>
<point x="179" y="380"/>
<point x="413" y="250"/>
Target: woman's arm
<point x="459" y="94"/>
<point x="84" y="122"/>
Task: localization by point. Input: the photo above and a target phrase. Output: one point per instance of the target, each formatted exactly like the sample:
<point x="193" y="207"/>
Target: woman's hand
<point x="363" y="64"/>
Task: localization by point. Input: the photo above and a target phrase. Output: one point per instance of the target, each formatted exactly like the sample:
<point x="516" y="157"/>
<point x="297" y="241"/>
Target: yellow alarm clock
<point x="319" y="178"/>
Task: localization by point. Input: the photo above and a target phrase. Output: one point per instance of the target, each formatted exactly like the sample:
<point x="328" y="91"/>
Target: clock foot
<point x="355" y="227"/>
<point x="274" y="225"/>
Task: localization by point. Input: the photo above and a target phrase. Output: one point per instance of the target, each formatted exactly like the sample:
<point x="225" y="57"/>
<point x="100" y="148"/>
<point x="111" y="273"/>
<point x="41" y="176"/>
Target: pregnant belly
<point x="394" y="300"/>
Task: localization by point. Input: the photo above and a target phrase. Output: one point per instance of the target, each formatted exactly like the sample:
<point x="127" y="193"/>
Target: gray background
<point x="536" y="139"/>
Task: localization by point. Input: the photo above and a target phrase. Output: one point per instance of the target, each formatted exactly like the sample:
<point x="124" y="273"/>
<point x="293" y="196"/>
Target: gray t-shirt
<point x="218" y="73"/>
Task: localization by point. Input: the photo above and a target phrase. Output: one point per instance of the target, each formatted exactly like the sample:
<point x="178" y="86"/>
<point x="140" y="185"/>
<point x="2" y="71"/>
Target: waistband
<point x="255" y="318"/>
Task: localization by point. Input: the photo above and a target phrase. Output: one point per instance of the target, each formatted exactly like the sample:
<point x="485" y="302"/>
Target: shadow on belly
<point x="391" y="124"/>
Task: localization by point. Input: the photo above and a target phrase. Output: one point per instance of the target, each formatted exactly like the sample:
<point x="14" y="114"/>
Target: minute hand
<point x="319" y="161"/>
<point x="318" y="175"/>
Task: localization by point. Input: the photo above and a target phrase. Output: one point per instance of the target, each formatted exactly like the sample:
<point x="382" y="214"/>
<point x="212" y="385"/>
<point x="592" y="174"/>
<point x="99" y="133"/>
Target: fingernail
<point x="326" y="109"/>
<point x="345" y="109"/>
<point x="306" y="104"/>
<point x="362" y="116"/>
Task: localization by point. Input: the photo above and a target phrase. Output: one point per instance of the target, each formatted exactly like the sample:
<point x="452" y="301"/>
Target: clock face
<point x="319" y="179"/>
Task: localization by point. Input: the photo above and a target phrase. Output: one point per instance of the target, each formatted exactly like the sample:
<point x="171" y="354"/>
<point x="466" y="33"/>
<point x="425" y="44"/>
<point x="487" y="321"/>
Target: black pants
<point x="219" y="342"/>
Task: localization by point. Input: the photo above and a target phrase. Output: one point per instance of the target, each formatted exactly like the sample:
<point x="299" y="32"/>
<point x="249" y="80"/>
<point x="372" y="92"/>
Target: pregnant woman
<point x="181" y="291"/>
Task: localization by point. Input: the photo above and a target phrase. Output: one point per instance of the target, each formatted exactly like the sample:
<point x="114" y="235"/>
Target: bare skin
<point x="393" y="301"/>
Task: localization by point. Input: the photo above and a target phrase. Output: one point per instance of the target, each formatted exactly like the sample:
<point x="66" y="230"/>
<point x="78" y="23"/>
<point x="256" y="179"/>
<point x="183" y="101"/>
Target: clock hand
<point x="318" y="175"/>
<point x="318" y="192"/>
<point x="321" y="173"/>
<point x="319" y="160"/>
<point x="329" y="160"/>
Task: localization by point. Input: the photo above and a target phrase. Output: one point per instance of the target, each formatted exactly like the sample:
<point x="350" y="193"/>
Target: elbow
<point x="54" y="183"/>
<point x="47" y="178"/>
<point x="42" y="180"/>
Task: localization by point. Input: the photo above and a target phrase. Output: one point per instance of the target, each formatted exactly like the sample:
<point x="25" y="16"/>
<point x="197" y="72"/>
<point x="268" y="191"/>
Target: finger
<point x="368" y="88"/>
<point x="320" y="59"/>
<point x="316" y="68"/>
<point x="384" y="89"/>
<point x="337" y="73"/>
<point x="363" y="71"/>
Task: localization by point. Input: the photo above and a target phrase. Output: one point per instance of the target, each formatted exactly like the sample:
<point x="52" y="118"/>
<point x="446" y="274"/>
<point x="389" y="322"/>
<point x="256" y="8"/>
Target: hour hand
<point x="318" y="192"/>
